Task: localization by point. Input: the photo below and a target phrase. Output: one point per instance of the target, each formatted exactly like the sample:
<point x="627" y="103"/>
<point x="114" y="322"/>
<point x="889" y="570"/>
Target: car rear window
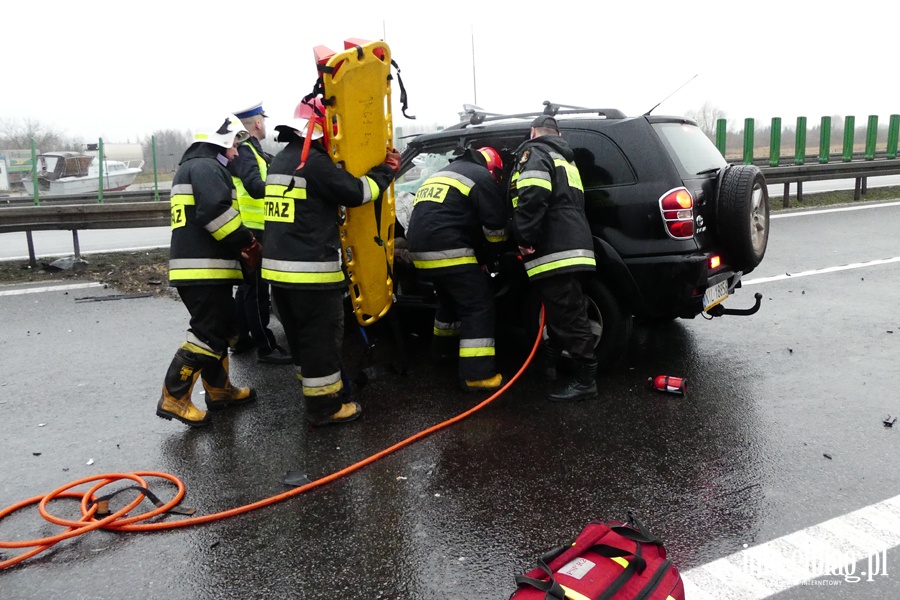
<point x="690" y="149"/>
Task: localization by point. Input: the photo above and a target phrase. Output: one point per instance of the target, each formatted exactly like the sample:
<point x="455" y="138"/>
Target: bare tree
<point x="706" y="117"/>
<point x="170" y="146"/>
<point x="19" y="133"/>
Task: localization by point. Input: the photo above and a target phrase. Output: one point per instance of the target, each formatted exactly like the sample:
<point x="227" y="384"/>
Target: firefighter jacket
<point x="302" y="209"/>
<point x="454" y="212"/>
<point x="548" y="208"/>
<point x="207" y="233"/>
<point x="249" y="172"/>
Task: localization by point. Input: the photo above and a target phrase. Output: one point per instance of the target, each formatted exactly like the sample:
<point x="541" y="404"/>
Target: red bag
<point x="607" y="561"/>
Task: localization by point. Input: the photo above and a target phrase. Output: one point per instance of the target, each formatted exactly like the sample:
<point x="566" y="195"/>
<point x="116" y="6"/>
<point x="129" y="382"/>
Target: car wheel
<point x="743" y="215"/>
<point x="610" y="323"/>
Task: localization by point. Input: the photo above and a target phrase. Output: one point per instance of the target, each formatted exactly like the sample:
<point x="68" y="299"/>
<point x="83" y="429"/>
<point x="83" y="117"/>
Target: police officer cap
<point x="547" y="122"/>
<point x="256" y="109"/>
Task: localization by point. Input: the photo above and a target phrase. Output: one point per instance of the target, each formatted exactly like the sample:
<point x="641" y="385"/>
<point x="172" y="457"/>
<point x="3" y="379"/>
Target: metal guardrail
<point x="108" y="198"/>
<point x="121" y="215"/>
<point x="860" y="170"/>
<point x="125" y="210"/>
<point x="822" y="172"/>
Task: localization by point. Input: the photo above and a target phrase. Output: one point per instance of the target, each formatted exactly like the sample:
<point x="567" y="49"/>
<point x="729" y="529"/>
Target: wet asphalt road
<point x="739" y="460"/>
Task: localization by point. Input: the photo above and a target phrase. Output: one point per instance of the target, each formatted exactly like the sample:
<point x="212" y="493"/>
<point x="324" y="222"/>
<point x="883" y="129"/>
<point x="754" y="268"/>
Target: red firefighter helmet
<point x="303" y="114"/>
<point x="493" y="160"/>
<point x="310" y="109"/>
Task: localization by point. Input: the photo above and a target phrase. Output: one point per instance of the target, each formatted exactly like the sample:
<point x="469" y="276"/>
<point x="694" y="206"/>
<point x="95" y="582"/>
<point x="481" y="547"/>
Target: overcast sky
<point x="97" y="68"/>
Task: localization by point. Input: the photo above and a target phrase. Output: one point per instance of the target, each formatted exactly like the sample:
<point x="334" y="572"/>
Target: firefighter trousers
<point x="253" y="309"/>
<point x="212" y="314"/>
<point x="464" y="321"/>
<point x="566" y="315"/>
<point x="313" y="323"/>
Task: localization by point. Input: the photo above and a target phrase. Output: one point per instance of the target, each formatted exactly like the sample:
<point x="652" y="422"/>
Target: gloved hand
<point x="401" y="252"/>
<point x="393" y="160"/>
<point x="251" y="256"/>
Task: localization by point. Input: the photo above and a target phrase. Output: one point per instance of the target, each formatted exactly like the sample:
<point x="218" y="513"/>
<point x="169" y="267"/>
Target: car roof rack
<point x="475" y="115"/>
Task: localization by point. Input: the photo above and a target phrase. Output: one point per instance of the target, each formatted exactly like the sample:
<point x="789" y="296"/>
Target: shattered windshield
<point x="405" y="187"/>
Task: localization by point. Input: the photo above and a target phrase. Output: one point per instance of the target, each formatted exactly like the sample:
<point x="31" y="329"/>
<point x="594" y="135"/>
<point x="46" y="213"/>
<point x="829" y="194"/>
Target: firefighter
<point x="454" y="212"/>
<point x="555" y="240"/>
<point x="209" y="244"/>
<point x="252" y="299"/>
<point x="302" y="260"/>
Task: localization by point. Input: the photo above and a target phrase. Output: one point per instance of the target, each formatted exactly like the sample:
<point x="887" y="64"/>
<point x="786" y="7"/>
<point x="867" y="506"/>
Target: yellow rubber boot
<point x="483" y="385"/>
<point x="346" y="413"/>
<point x="175" y="402"/>
<point x="219" y="391"/>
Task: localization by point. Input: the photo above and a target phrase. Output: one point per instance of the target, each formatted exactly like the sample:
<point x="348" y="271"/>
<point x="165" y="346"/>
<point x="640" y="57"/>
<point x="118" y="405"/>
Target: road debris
<point x="112" y="297"/>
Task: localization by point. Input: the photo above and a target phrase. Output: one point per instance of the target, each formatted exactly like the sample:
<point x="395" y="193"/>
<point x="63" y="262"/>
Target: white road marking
<point x="804" y="213"/>
<point x="859" y="265"/>
<point x="828" y="550"/>
<point x="49" y="288"/>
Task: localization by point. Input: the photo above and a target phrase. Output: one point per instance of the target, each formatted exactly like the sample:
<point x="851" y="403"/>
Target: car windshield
<point x="692" y="151"/>
<point x="423" y="166"/>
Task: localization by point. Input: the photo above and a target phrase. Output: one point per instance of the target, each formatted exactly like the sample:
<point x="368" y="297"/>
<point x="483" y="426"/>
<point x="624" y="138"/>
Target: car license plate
<point x="715" y="295"/>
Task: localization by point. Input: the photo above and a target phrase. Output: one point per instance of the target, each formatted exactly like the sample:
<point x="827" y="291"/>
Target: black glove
<point x="401" y="252"/>
<point x="251" y="256"/>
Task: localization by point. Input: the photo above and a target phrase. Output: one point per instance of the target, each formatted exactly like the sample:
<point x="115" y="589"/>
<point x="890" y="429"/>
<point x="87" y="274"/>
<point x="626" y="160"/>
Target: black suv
<point x="675" y="225"/>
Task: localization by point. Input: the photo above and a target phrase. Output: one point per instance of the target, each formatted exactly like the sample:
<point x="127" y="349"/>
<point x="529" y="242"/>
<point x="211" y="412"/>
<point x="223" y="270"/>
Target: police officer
<point x="555" y="240"/>
<point x="209" y="244"/>
<point x="454" y="211"/>
<point x="252" y="301"/>
<point x="302" y="259"/>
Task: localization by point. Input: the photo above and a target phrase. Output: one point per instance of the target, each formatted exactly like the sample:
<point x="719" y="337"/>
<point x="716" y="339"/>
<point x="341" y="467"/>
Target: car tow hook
<point x="719" y="310"/>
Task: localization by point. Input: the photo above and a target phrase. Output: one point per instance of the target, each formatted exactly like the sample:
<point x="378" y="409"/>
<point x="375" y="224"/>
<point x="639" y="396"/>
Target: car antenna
<point x="647" y="114"/>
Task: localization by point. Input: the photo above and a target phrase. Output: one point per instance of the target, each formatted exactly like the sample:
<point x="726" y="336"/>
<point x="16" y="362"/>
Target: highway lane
<point x="779" y="441"/>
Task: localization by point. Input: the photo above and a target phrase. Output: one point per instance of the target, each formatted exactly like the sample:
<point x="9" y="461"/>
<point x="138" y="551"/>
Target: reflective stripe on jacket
<point x="456" y="211"/>
<point x="302" y="245"/>
<point x="548" y="208"/>
<point x="207" y="232"/>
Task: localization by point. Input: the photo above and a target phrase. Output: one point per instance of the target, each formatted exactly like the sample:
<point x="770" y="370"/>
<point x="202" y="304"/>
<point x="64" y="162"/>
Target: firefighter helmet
<point x="230" y="131"/>
<point x="493" y="161"/>
<point x="304" y="112"/>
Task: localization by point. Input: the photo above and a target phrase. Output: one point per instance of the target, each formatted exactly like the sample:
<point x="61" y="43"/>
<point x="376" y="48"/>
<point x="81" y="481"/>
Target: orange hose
<point x="116" y="521"/>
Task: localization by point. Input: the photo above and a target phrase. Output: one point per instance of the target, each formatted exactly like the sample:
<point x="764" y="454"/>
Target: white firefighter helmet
<point x="224" y="136"/>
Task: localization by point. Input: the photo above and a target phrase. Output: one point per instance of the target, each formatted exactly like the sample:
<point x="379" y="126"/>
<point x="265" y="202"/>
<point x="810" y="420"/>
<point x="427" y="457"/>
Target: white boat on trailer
<point x="67" y="173"/>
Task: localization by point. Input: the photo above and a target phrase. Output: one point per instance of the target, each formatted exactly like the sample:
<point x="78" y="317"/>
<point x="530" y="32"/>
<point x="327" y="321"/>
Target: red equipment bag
<point x="607" y="561"/>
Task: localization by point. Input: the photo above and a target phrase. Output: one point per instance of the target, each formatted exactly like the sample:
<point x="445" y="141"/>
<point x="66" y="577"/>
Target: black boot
<point x="549" y="361"/>
<point x="582" y="387"/>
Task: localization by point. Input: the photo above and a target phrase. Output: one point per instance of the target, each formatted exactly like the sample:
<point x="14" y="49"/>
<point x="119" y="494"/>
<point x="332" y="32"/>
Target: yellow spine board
<point x="360" y="87"/>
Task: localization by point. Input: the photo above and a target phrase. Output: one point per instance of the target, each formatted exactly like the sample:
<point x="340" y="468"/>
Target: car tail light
<point x="677" y="208"/>
<point x="715" y="261"/>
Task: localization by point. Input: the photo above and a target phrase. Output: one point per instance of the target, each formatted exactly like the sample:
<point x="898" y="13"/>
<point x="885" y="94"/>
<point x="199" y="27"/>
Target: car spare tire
<point x="743" y="216"/>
